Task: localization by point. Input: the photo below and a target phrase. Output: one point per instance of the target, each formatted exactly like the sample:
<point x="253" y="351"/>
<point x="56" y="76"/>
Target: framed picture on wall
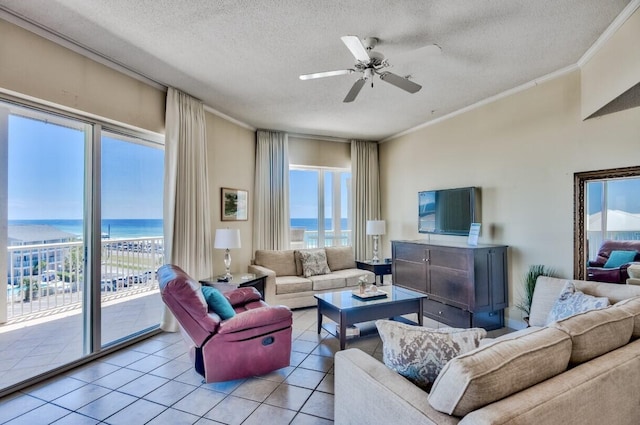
<point x="235" y="204"/>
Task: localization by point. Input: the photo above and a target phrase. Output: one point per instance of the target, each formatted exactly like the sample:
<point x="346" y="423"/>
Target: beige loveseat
<point x="584" y="369"/>
<point x="286" y="284"/>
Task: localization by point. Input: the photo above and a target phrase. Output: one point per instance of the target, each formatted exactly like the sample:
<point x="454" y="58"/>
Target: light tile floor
<point x="31" y="347"/>
<point x="154" y="382"/>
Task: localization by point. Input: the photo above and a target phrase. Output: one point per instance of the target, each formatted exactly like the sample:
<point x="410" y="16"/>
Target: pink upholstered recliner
<point x="596" y="269"/>
<point x="256" y="341"/>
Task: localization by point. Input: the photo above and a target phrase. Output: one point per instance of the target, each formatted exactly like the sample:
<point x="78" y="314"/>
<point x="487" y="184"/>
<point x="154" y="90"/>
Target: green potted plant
<point x="529" y="281"/>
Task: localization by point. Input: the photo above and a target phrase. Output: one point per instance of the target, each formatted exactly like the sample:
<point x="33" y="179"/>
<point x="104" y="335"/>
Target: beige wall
<point x="522" y="151"/>
<point x="46" y="71"/>
<point x="231" y="152"/>
<point x="34" y="66"/>
<point x="601" y="81"/>
<point x="319" y="153"/>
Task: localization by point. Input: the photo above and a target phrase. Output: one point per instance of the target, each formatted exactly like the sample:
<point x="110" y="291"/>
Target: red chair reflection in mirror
<point x="596" y="269"/>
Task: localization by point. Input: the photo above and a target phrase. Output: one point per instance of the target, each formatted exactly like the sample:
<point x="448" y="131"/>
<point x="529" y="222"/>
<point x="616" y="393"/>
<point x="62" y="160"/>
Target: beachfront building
<point x="34" y="259"/>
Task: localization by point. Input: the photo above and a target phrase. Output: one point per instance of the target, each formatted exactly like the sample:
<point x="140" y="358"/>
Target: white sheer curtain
<point x="365" y="182"/>
<point x="271" y="200"/>
<point x="187" y="218"/>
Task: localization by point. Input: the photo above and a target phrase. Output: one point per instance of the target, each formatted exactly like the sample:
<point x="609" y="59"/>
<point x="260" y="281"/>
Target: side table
<point x="379" y="268"/>
<point x="238" y="281"/>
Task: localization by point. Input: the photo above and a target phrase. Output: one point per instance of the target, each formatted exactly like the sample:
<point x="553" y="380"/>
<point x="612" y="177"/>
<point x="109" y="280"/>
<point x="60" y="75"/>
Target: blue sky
<point x="46" y="174"/>
<point x="303" y="194"/>
<point x="623" y="195"/>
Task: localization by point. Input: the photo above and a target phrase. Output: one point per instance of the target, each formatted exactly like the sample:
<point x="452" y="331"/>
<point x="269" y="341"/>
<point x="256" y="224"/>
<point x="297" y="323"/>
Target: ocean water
<point x="136" y="228"/>
<point x="312" y="223"/>
<point x="114" y="228"/>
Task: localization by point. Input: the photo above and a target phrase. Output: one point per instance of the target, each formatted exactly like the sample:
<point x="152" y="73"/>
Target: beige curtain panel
<point x="187" y="216"/>
<point x="365" y="189"/>
<point x="271" y="201"/>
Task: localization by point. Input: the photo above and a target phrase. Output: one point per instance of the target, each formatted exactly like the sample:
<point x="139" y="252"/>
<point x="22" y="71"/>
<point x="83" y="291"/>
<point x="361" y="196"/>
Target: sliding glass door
<point x="44" y="159"/>
<point x="80" y="239"/>
<point x="131" y="233"/>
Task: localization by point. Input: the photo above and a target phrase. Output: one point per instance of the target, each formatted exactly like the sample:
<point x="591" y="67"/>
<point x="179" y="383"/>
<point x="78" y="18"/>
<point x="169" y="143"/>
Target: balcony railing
<point x="48" y="278"/>
<point x="331" y="238"/>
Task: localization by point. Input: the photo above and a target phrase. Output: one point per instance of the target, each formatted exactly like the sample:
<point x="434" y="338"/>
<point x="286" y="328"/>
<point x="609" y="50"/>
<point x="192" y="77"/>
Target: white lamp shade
<point x="376" y="227"/>
<point x="227" y="239"/>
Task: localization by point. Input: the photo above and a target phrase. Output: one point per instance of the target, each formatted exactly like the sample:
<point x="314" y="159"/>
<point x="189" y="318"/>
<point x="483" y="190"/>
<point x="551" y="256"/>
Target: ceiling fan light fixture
<point x="369" y="63"/>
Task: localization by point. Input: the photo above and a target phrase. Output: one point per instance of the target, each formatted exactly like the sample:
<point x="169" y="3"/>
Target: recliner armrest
<point x="242" y="296"/>
<point x="256" y="318"/>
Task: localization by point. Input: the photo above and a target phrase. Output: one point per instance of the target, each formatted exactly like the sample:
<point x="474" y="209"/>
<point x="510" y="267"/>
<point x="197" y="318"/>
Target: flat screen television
<point x="449" y="211"/>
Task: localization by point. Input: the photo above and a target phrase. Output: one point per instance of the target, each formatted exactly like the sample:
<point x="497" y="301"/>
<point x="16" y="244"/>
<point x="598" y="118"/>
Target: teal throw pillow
<point x="217" y="302"/>
<point x="618" y="258"/>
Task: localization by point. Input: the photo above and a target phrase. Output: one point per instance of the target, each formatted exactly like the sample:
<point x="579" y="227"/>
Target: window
<point x="81" y="234"/>
<point x="613" y="211"/>
<point x="319" y="202"/>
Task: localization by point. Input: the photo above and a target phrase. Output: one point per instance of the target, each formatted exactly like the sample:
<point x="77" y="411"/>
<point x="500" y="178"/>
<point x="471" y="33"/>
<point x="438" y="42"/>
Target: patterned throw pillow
<point x="419" y="353"/>
<point x="572" y="301"/>
<point x="314" y="262"/>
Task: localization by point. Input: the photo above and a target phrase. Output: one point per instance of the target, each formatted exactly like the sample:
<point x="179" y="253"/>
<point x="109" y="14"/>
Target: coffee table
<point x="346" y="310"/>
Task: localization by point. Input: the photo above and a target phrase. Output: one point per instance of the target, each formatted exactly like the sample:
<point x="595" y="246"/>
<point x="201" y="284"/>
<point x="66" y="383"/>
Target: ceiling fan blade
<point x="356" y="47"/>
<point x="326" y="74"/>
<point x="355" y="89"/>
<point x="429" y="50"/>
<point x="400" y="82"/>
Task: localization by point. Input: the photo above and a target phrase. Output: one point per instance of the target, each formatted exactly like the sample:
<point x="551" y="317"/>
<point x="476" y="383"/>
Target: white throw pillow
<point x="419" y="353"/>
<point x="572" y="301"/>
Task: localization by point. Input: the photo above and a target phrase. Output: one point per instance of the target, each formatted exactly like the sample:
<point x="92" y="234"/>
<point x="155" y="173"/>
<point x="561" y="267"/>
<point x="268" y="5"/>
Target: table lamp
<point x="375" y="228"/>
<point x="227" y="239"/>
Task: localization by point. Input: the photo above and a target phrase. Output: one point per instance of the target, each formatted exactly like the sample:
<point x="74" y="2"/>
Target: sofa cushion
<point x="340" y="257"/>
<point x="596" y="332"/>
<point x="634" y="271"/>
<point x="217" y="302"/>
<point x="314" y="262"/>
<point x="419" y="353"/>
<point x="296" y="256"/>
<point x="618" y="258"/>
<point x="632" y="306"/>
<point x="572" y="301"/>
<point x="292" y="285"/>
<point x="327" y="281"/>
<point x="281" y="262"/>
<point x="497" y="370"/>
<point x="352" y="275"/>
<point x="547" y="291"/>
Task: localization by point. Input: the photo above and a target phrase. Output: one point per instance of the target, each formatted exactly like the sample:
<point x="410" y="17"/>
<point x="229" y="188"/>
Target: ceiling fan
<point x="369" y="63"/>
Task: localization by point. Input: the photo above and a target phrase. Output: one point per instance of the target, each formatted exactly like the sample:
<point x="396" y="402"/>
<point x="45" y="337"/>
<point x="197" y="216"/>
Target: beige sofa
<point x="581" y="370"/>
<point x="287" y="285"/>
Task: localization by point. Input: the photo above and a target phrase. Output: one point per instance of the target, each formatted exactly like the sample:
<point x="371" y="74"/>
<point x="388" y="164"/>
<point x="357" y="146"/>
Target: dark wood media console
<point x="466" y="286"/>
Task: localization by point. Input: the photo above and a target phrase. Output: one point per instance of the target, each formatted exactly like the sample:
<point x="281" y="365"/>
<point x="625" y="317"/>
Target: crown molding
<point x="626" y="13"/>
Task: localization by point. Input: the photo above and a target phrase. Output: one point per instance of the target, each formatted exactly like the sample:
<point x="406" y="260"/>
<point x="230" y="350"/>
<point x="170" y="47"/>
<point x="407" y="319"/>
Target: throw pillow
<point x="419" y="353"/>
<point x="217" y="302"/>
<point x="618" y="258"/>
<point x="572" y="301"/>
<point x="314" y="262"/>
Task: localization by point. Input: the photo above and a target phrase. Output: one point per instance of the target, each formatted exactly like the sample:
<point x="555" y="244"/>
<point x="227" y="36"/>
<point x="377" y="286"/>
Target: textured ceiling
<point x="243" y="57"/>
